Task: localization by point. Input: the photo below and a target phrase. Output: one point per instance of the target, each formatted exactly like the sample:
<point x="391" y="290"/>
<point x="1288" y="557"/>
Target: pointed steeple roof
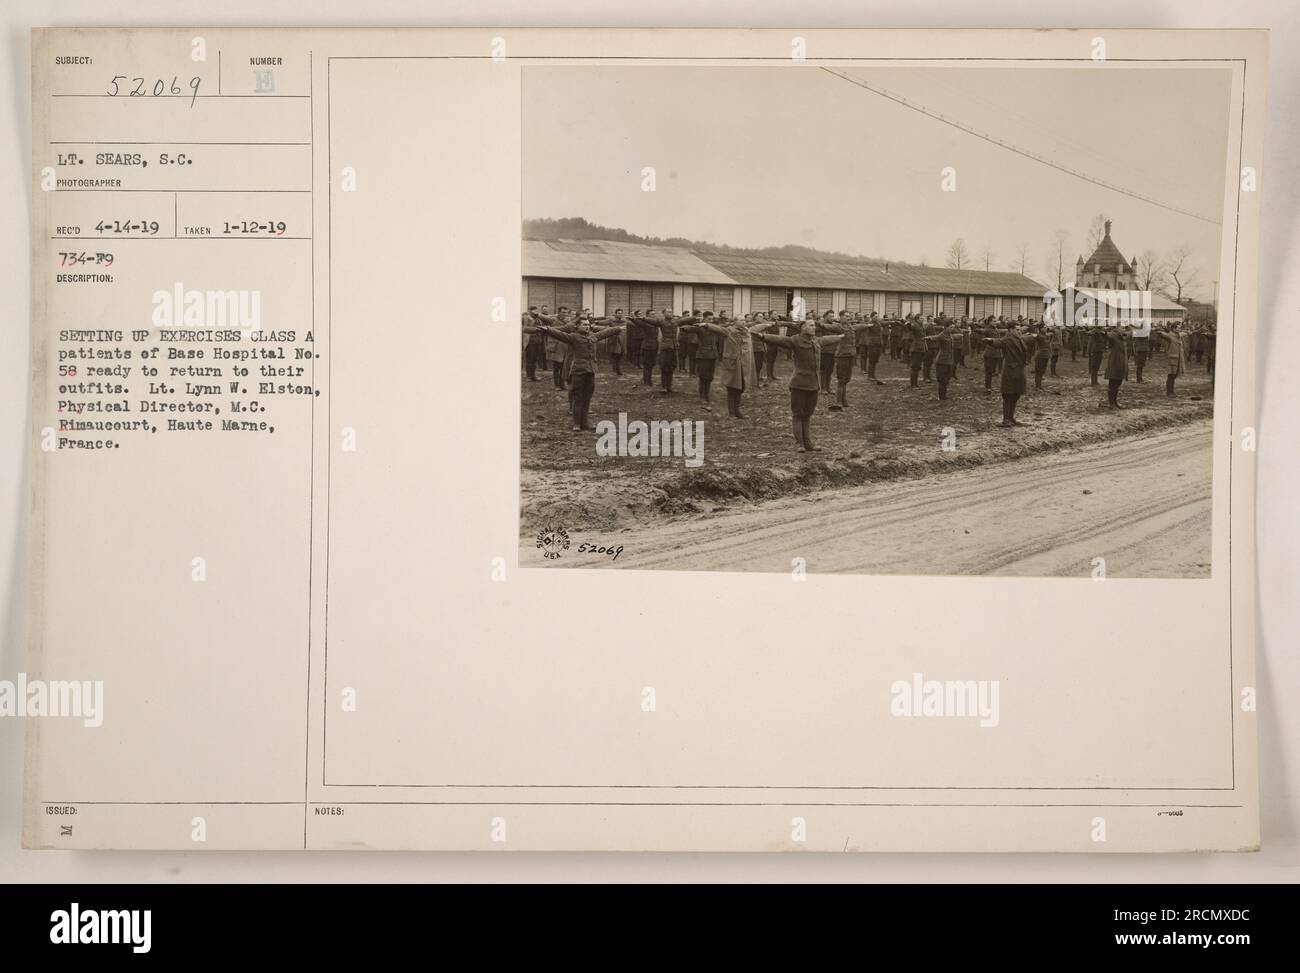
<point x="1108" y="256"/>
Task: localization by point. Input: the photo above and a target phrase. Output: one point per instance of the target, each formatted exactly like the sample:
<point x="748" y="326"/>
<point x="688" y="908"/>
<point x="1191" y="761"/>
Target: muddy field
<point x="1142" y="503"/>
<point x="890" y="431"/>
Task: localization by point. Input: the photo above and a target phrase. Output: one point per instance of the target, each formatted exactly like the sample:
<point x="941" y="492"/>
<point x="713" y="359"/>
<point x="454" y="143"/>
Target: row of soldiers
<point x="742" y="352"/>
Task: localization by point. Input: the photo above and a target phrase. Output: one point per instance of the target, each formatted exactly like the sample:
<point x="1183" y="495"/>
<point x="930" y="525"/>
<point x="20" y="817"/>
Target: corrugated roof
<point x="844" y="273"/>
<point x="790" y="271"/>
<point x="608" y="260"/>
<point x="940" y="280"/>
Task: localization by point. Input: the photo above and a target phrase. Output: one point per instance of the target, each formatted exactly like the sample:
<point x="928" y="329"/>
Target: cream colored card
<point x="329" y="552"/>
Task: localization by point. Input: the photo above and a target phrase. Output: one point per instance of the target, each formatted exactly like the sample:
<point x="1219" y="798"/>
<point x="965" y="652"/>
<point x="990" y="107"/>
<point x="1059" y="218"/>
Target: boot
<point x="807" y="437"/>
<point x="1006" y="422"/>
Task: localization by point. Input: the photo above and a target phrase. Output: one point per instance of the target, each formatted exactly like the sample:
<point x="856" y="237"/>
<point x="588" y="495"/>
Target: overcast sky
<point x="761" y="156"/>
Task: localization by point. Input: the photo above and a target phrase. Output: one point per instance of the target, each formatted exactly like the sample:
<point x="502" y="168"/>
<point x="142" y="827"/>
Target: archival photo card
<point x="910" y="375"/>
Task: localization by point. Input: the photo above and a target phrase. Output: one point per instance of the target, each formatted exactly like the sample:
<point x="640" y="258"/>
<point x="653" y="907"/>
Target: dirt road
<point x="1142" y="503"/>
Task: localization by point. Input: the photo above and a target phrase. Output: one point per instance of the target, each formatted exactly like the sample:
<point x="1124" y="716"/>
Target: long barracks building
<point x="604" y="275"/>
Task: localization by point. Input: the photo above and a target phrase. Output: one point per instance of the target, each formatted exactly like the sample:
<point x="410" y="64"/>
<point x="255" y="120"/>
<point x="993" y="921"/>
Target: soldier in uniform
<point x="1141" y="351"/>
<point x="874" y="344"/>
<point x="1015" y="355"/>
<point x="706" y="358"/>
<point x="649" y="349"/>
<point x="582" y="339"/>
<point x="1042" y="354"/>
<point x="578" y="318"/>
<point x="634" y="336"/>
<point x="759" y="350"/>
<point x="1096" y="348"/>
<point x="666" y="332"/>
<point x="827" y="363"/>
<point x="771" y="351"/>
<point x="1173" y="342"/>
<point x="945" y="357"/>
<point x="556" y="351"/>
<point x="806" y="350"/>
<point x="535" y="348"/>
<point x="931" y="329"/>
<point x="1116" y="364"/>
<point x="688" y="343"/>
<point x="844" y="351"/>
<point x="992" y="353"/>
<point x="915" y="347"/>
<point x="1072" y="341"/>
<point x="615" y="344"/>
<point x="737" y="357"/>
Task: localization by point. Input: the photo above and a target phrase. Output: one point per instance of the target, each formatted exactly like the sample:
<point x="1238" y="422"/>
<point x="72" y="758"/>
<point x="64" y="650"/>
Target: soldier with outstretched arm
<point x="1042" y="354"/>
<point x="1096" y="349"/>
<point x="992" y="354"/>
<point x="1116" y="363"/>
<point x="557" y="352"/>
<point x="1174" y="345"/>
<point x="915" y="341"/>
<point x="535" y="345"/>
<point x="806" y="350"/>
<point x="827" y="362"/>
<point x="667" y="328"/>
<point x="759" y="351"/>
<point x="946" y="343"/>
<point x="649" y="348"/>
<point x="737" y="357"/>
<point x="706" y="356"/>
<point x="845" y="351"/>
<point x="1015" y="355"/>
<point x="875" y="343"/>
<point x="582" y="343"/>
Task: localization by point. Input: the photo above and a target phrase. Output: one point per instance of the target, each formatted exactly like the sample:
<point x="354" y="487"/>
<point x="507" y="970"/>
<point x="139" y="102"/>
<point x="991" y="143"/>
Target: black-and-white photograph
<point x="927" y="320"/>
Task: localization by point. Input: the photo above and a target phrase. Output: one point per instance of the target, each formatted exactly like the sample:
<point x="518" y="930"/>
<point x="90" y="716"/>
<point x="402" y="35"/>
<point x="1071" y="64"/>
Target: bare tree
<point x="1096" y="231"/>
<point x="1180" y="273"/>
<point x="1020" y="261"/>
<point x="958" y="255"/>
<point x="1150" y="272"/>
<point x="986" y="256"/>
<point x="1056" y="257"/>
